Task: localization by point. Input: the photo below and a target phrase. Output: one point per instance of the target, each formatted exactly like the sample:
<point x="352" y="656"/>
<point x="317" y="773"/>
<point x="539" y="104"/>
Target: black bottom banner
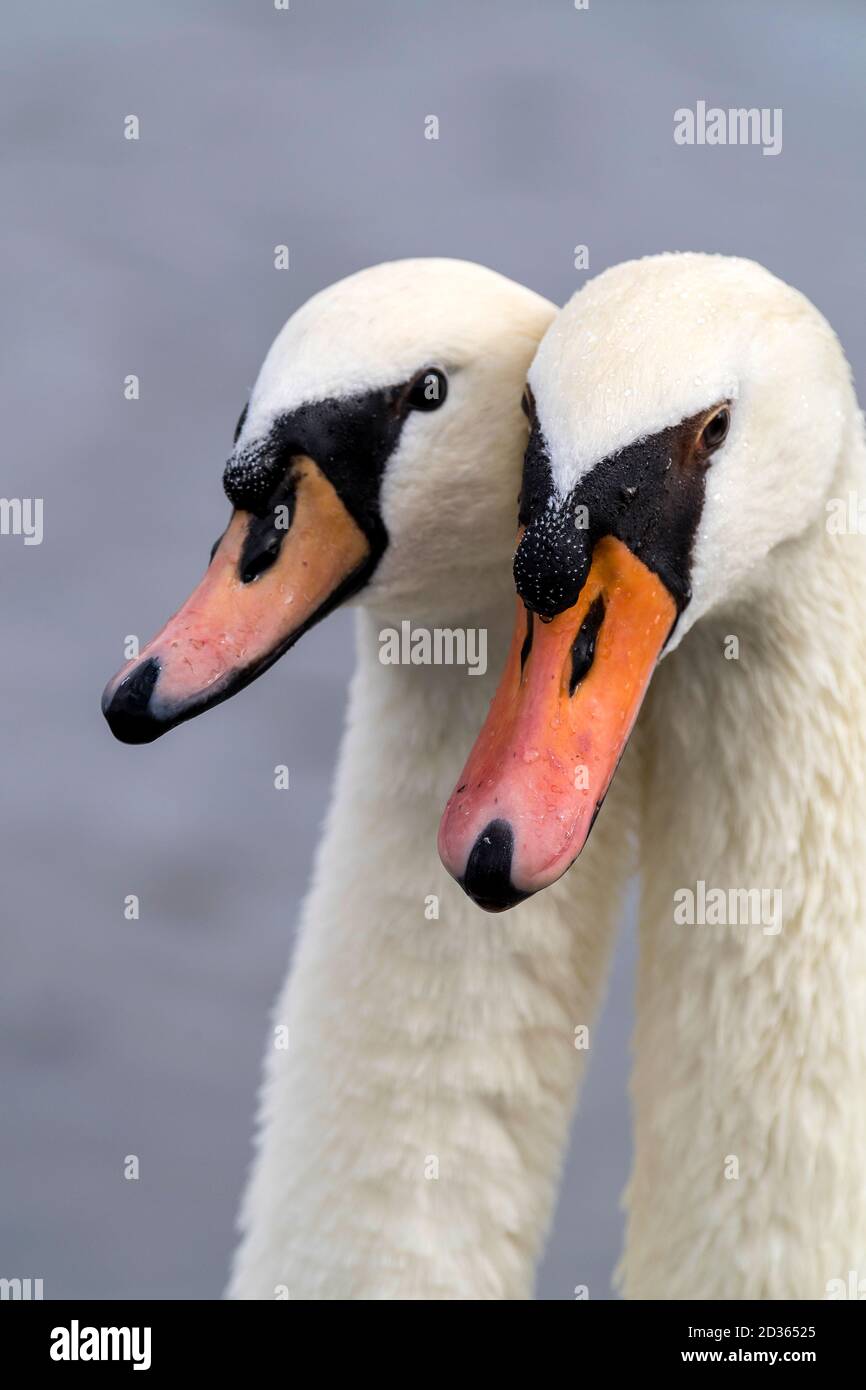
<point x="163" y="1339"/>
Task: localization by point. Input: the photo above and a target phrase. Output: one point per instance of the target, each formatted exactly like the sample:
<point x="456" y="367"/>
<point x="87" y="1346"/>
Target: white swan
<point x="696" y="438"/>
<point x="412" y="1132"/>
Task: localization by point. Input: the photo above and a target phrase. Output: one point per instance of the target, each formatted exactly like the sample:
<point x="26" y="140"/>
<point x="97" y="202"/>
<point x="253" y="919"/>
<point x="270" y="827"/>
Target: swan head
<point x="688" y="414"/>
<point x="378" y="457"/>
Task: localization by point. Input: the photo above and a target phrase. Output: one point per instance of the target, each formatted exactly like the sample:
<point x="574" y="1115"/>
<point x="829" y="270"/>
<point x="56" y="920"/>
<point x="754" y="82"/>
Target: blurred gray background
<point x="261" y="127"/>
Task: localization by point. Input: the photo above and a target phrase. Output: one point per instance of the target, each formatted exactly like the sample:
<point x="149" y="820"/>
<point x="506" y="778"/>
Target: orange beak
<point x="557" y="727"/>
<point x="230" y="631"/>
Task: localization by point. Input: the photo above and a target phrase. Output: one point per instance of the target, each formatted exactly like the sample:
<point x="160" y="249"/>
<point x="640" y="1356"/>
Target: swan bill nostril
<point x="487" y="879"/>
<point x="127" y="709"/>
<point x="583" y="646"/>
<point x="527" y="642"/>
<point x="255" y="561"/>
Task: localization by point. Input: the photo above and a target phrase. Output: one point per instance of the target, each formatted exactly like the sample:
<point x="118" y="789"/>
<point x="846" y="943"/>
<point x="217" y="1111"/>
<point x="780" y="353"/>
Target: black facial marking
<point x="240" y="424"/>
<point x="536" y="486"/>
<point x="350" y="439"/>
<point x="649" y="495"/>
<point x="583" y="646"/>
<point x="527" y="642"/>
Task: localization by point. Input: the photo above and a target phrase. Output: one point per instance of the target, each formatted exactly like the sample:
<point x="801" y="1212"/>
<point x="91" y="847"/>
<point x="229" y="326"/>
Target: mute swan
<point x="411" y="1134"/>
<point x="694" y="425"/>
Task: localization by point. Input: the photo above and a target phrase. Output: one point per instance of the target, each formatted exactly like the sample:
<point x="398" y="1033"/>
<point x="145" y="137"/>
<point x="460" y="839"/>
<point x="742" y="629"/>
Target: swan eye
<point x="240" y="424"/>
<point x="428" y="390"/>
<point x="715" y="431"/>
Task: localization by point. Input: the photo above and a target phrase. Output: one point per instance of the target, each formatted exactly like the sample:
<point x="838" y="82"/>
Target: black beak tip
<point x="487" y="880"/>
<point x="127" y="708"/>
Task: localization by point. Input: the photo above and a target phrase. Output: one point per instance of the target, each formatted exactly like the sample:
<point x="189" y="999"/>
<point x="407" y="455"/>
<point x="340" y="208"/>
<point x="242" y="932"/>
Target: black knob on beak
<point x="552" y="561"/>
<point x="251" y="476"/>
